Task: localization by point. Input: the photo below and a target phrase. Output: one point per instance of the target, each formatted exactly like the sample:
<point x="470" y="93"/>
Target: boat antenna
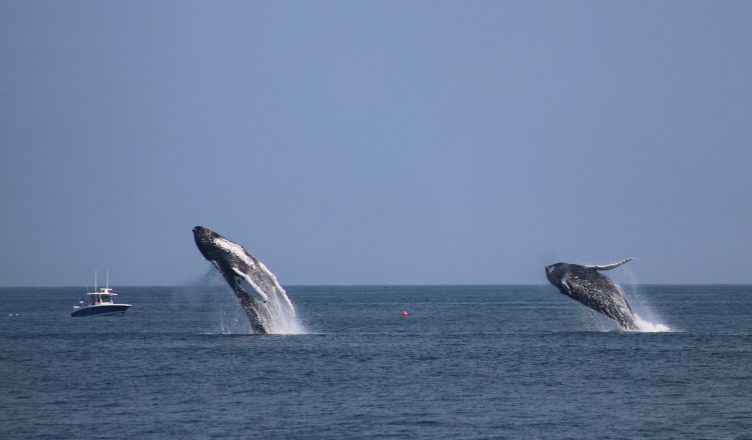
<point x="108" y="279"/>
<point x="95" y="280"/>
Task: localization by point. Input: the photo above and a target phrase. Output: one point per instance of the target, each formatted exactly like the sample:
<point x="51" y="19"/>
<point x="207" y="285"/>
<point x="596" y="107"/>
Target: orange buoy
<point x="404" y="313"/>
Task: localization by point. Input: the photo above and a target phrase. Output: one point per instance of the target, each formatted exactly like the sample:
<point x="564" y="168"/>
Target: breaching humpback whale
<point x="264" y="301"/>
<point x="586" y="285"/>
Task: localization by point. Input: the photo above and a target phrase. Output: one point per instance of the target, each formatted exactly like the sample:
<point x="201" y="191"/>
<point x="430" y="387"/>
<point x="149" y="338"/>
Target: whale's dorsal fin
<point x="608" y="266"/>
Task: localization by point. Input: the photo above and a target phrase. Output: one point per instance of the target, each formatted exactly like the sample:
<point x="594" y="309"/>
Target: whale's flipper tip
<point x="609" y="266"/>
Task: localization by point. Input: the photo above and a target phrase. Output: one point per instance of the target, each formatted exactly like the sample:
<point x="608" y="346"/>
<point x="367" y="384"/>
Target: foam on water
<point x="650" y="327"/>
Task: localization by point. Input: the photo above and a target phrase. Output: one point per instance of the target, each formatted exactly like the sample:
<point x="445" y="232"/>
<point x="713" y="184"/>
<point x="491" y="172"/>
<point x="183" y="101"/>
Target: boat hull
<point x="101" y="310"/>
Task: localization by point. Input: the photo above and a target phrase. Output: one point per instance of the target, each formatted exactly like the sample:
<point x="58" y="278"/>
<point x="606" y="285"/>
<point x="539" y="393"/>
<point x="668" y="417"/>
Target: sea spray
<point x="645" y="317"/>
<point x="277" y="315"/>
<point x="650" y="327"/>
<point x="233" y="321"/>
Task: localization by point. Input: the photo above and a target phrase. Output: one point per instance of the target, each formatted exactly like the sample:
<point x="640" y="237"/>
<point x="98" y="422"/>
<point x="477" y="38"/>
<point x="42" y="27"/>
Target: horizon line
<point x="383" y="285"/>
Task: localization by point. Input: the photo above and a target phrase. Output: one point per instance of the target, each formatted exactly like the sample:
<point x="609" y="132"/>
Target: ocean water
<point x="470" y="362"/>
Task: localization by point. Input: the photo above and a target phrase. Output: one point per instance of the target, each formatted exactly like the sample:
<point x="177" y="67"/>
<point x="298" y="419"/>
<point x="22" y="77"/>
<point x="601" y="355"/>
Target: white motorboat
<point x="100" y="303"/>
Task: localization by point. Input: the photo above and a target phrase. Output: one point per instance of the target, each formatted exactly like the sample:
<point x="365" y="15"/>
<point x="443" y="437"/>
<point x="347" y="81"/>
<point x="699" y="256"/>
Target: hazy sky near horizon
<point x="376" y="141"/>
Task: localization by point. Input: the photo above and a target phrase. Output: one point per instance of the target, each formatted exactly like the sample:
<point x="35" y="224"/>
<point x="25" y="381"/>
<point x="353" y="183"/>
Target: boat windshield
<point x="105" y="298"/>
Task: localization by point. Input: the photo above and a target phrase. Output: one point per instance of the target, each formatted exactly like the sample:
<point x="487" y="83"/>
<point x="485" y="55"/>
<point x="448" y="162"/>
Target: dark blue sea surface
<point x="468" y="362"/>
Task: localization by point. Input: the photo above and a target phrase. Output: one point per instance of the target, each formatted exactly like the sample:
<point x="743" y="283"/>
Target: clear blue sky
<point x="376" y="141"/>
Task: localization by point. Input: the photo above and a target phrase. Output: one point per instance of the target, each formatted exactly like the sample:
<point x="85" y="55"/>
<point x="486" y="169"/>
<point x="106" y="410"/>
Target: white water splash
<point x="636" y="298"/>
<point x="234" y="323"/>
<point x="277" y="314"/>
<point x="650" y="327"/>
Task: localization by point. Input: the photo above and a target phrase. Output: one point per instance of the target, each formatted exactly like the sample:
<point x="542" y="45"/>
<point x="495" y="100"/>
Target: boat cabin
<point x="104" y="296"/>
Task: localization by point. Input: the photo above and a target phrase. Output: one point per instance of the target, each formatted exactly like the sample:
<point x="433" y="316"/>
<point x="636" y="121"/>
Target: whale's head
<point x="231" y="260"/>
<point x="556" y="272"/>
<point x="207" y="242"/>
<point x="223" y="253"/>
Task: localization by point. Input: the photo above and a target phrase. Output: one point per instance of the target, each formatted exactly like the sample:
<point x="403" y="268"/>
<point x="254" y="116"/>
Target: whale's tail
<point x="608" y="266"/>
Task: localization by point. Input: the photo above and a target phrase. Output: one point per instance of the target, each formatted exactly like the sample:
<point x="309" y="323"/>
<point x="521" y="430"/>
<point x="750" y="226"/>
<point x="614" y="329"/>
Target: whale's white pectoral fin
<point x="248" y="286"/>
<point x="609" y="266"/>
<point x="566" y="286"/>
